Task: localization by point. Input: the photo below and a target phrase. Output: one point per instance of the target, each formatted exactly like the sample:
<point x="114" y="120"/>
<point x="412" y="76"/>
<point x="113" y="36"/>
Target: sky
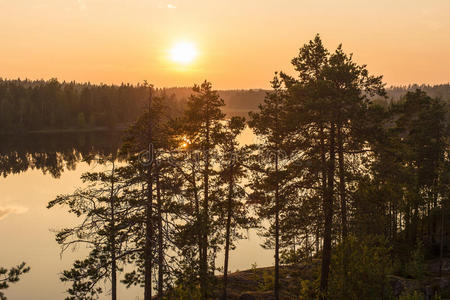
<point x="239" y="43"/>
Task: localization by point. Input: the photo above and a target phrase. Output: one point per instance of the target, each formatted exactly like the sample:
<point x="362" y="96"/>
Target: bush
<point x="415" y="267"/>
<point x="359" y="270"/>
<point x="310" y="290"/>
<point x="182" y="292"/>
<point x="412" y="296"/>
<point x="268" y="281"/>
<point x="291" y="257"/>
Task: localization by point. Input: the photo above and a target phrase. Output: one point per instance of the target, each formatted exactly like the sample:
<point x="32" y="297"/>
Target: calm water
<point x="35" y="169"/>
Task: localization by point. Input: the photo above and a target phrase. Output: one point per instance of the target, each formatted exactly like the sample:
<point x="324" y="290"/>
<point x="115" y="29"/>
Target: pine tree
<point x="328" y="103"/>
<point x="232" y="207"/>
<point x="201" y="125"/>
<point x="102" y="205"/>
<point x="146" y="145"/>
<point x="268" y="173"/>
<point x="10" y="276"/>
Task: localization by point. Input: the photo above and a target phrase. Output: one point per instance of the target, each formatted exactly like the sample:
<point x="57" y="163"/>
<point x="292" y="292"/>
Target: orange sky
<point x="240" y="42"/>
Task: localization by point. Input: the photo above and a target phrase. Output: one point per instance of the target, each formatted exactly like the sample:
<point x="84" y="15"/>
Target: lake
<point x="37" y="168"/>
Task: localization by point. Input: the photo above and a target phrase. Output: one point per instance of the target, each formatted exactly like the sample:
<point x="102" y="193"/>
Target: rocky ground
<point x="256" y="283"/>
<point x="429" y="284"/>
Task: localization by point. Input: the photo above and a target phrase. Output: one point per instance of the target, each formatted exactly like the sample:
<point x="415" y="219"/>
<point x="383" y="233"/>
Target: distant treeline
<point x="52" y="105"/>
<point x="441" y="91"/>
<point x="246" y="100"/>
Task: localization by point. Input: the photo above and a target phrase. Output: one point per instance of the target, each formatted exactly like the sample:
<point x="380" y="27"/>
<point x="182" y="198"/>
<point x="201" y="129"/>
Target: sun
<point x="183" y="52"/>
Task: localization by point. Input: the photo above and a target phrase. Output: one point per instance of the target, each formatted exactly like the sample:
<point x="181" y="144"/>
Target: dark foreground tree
<point x="10" y="276"/>
<point x="201" y="124"/>
<point x="146" y="145"/>
<point x="231" y="206"/>
<point x="328" y="101"/>
<point x="104" y="229"/>
<point x="269" y="180"/>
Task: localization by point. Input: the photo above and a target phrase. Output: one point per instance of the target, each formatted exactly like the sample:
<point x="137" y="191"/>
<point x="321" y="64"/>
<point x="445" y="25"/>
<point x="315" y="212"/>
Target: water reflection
<point x="31" y="164"/>
<point x="54" y="153"/>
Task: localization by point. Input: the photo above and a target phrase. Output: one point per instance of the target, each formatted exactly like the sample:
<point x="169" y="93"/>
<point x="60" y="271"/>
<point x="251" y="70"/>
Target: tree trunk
<point x="328" y="212"/>
<point x="113" y="240"/>
<point x="324" y="183"/>
<point x="342" y="184"/>
<point x="204" y="280"/>
<point x="317" y="241"/>
<point x="441" y="248"/>
<point x="148" y="242"/>
<point x="344" y="229"/>
<point x="148" y="255"/>
<point x="415" y="223"/>
<point x="277" y="235"/>
<point x="197" y="209"/>
<point x="395" y="216"/>
<point x="228" y="227"/>
<point x="160" y="239"/>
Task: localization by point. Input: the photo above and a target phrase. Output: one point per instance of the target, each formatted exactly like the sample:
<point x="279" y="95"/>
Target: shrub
<point x="415" y="267"/>
<point x="310" y="290"/>
<point x="359" y="270"/>
<point x="412" y="296"/>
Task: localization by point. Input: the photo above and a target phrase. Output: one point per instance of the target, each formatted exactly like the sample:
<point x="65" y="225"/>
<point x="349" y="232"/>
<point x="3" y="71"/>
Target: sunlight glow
<point x="185" y="142"/>
<point x="183" y="52"/>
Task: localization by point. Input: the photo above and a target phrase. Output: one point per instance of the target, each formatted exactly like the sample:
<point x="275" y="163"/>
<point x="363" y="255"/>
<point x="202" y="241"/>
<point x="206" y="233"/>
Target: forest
<point x="347" y="181"/>
<point x="48" y="106"/>
<point x="52" y="106"/>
